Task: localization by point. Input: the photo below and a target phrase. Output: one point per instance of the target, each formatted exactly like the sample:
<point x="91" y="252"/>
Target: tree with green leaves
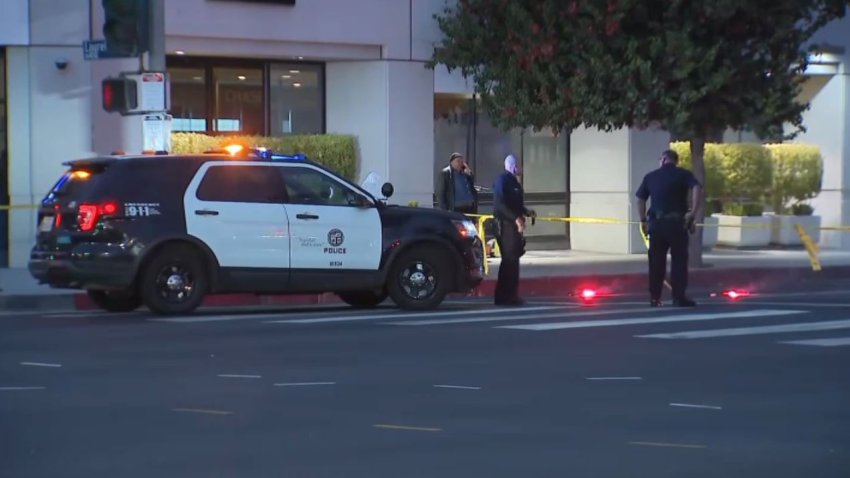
<point x="692" y="67"/>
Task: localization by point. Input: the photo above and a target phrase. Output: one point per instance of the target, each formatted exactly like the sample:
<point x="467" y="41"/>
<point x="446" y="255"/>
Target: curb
<point x="553" y="286"/>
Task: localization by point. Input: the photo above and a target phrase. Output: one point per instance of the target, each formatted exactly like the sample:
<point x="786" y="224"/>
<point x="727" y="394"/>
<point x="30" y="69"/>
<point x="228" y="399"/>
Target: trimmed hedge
<point x="797" y="176"/>
<point x="736" y="174"/>
<point x="747" y="170"/>
<point x="714" y="181"/>
<point x="334" y="151"/>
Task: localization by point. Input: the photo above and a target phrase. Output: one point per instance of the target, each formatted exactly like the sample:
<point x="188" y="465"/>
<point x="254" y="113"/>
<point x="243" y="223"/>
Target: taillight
<point x="57" y="221"/>
<point x="89" y="214"/>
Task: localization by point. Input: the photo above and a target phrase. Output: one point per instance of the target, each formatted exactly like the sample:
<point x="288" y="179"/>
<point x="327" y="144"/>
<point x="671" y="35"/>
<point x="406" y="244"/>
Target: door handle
<point x="206" y="212"/>
<point x="306" y="216"/>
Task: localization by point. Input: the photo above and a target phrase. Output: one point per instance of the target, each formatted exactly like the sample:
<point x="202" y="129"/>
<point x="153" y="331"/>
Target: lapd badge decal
<point x="335" y="240"/>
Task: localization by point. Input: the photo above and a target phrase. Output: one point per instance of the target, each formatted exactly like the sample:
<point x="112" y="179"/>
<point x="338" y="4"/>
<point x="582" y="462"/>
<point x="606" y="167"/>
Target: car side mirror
<point x="387" y="190"/>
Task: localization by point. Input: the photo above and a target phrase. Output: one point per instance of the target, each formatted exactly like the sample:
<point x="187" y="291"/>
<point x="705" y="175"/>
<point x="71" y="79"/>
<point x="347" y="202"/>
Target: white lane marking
<point x="690" y="405"/>
<point x="765" y="329"/>
<point x="215" y="318"/>
<point x="414" y="314"/>
<point x="232" y="375"/>
<point x="561" y="315"/>
<point x="799" y="304"/>
<point x="459" y="387"/>
<point x="615" y="378"/>
<point x="830" y="342"/>
<point x="303" y="384"/>
<point x="9" y="389"/>
<point x="665" y="445"/>
<point x="652" y="320"/>
<point x="40" y="364"/>
<point x="203" y="411"/>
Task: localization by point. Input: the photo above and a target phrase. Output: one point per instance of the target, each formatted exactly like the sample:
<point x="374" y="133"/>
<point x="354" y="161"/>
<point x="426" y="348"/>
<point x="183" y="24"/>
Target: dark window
<point x="239" y="101"/>
<point x="249" y="184"/>
<point x="309" y="186"/>
<point x="188" y="99"/>
<point x="243" y="96"/>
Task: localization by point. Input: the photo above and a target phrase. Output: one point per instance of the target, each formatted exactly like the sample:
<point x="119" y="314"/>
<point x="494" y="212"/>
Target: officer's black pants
<point x="664" y="236"/>
<point x="510" y="248"/>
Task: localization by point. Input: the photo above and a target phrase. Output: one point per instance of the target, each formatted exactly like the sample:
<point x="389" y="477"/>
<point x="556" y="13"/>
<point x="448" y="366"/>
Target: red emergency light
<point x="735" y="294"/>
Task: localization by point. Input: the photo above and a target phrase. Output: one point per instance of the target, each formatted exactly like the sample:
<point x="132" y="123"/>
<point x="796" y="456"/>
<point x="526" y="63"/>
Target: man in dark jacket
<point x="509" y="211"/>
<point x="456" y="187"/>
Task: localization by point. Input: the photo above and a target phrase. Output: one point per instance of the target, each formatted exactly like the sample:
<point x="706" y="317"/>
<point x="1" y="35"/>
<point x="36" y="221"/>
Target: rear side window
<point x="73" y="185"/>
<point x="247" y="184"/>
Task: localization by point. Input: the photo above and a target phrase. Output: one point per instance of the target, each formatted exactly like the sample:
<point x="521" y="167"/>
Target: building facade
<point x="338" y="66"/>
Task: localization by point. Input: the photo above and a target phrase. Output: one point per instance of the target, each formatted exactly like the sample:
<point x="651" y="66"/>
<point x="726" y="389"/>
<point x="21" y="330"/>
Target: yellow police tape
<point x="807" y="241"/>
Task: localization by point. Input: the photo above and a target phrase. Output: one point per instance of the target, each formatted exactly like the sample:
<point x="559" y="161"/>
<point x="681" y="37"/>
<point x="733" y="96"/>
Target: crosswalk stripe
<point x="829" y="342"/>
<point x="651" y="320"/>
<point x="765" y="329"/>
<point x="561" y="315"/>
<point x="459" y="313"/>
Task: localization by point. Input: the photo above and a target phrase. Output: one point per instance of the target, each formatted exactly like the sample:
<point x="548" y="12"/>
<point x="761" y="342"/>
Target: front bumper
<point x="85" y="266"/>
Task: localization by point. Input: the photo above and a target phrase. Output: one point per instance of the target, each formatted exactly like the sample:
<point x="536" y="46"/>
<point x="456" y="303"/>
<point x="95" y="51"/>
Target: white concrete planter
<point x="784" y="231"/>
<point x="709" y="233"/>
<point x="743" y="231"/>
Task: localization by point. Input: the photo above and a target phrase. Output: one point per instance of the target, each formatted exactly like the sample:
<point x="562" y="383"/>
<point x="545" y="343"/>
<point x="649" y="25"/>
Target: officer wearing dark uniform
<point x="509" y="212"/>
<point x="668" y="224"/>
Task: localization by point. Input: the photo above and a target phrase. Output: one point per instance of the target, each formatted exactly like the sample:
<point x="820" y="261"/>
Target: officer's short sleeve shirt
<point x="667" y="188"/>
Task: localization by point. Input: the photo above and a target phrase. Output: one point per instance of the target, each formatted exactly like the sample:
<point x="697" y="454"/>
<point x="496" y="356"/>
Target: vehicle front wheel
<point x="174" y="281"/>
<point x="115" y="301"/>
<point x="362" y="299"/>
<point x="419" y="279"/>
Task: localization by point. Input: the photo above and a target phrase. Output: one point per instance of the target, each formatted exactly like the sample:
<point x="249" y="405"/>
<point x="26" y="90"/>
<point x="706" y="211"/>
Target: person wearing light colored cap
<point x="509" y="211"/>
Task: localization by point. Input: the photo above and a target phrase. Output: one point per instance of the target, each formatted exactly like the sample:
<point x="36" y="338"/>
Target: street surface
<point x="757" y="387"/>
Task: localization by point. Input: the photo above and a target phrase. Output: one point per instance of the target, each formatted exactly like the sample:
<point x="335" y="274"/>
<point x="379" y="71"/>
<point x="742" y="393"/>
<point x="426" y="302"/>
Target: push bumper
<point x="473" y="271"/>
<point x="86" y="266"/>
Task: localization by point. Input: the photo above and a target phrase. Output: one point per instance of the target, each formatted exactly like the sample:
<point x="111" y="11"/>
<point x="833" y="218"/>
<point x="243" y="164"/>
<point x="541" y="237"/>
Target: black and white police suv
<point x="165" y="230"/>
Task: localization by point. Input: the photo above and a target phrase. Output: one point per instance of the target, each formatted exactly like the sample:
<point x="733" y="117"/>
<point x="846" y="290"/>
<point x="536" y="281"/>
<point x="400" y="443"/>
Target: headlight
<point x="466" y="228"/>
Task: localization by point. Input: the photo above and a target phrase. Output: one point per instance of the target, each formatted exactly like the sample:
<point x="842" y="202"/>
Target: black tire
<point x="115" y="301"/>
<point x="174" y="281"/>
<point x="427" y="290"/>
<point x="362" y="299"/>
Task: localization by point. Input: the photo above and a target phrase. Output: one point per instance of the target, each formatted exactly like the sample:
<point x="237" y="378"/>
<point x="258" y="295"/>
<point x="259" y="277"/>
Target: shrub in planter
<point x="714" y="180"/>
<point x="797" y="176"/>
<point x="335" y="151"/>
<point x="747" y="171"/>
<point x="743" y="209"/>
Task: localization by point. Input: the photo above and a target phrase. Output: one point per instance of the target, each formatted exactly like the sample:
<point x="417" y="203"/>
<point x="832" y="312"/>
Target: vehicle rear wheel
<point x="115" y="301"/>
<point x="362" y="299"/>
<point x="419" y="279"/>
<point x="174" y="281"/>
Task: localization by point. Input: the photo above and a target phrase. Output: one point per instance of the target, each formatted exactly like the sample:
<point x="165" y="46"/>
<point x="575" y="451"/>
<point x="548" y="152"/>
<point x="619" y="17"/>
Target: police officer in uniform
<point x="509" y="212"/>
<point x="668" y="224"/>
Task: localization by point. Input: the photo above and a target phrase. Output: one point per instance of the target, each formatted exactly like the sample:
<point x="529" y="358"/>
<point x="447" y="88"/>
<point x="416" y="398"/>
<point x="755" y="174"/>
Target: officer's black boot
<point x="684" y="302"/>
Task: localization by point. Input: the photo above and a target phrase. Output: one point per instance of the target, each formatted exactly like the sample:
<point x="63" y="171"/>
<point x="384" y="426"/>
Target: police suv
<point x="165" y="230"/>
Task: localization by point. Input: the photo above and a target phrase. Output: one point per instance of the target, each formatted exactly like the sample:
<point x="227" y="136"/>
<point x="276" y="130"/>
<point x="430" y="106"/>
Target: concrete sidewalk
<point x="543" y="273"/>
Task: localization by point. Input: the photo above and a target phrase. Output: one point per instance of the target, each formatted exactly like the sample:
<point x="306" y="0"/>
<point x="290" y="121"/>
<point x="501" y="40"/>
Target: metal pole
<point x="156" y="41"/>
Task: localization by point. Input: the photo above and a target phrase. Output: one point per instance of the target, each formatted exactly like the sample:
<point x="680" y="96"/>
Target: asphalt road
<point x="757" y="387"/>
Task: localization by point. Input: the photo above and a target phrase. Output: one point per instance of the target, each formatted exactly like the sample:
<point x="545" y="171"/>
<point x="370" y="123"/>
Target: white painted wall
<point x="389" y="107"/>
<point x="605" y="171"/>
<point x="356" y="104"/>
<point x="411" y="132"/>
<point x="828" y="126"/>
<point x="50" y="112"/>
<point x="14" y="23"/>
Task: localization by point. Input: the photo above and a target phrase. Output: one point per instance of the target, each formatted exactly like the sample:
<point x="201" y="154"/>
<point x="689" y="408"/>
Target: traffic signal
<point x="119" y="95"/>
<point x="125" y="27"/>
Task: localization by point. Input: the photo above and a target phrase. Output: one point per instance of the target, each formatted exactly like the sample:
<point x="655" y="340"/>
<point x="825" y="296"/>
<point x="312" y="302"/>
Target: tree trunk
<point x="698" y="165"/>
